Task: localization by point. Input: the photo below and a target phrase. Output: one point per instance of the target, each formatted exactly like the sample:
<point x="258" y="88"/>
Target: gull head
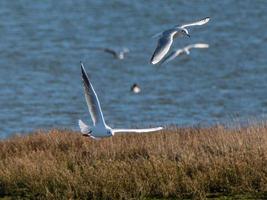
<point x="184" y="32"/>
<point x="109" y="131"/>
<point x="180" y="31"/>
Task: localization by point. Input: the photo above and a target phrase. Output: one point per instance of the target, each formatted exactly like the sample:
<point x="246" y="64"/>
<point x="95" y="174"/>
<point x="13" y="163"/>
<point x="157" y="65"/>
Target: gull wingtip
<point x="85" y="77"/>
<point x="207" y="19"/>
<point x="153" y="61"/>
<point x="83" y="70"/>
<point x="81" y="63"/>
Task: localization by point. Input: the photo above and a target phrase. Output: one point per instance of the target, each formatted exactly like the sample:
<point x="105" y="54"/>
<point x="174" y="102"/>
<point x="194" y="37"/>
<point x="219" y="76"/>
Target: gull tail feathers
<point x="84" y="128"/>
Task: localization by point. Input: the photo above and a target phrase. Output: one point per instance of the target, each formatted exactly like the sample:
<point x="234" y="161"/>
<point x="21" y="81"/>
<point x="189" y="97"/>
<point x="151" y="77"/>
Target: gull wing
<point x="91" y="99"/>
<point x="172" y="55"/>
<point x="111" y="51"/>
<point x="157" y="35"/>
<point x="197" y="45"/>
<point x="107" y="50"/>
<point x="197" y="23"/>
<point x="164" y="44"/>
<point x="146" y="130"/>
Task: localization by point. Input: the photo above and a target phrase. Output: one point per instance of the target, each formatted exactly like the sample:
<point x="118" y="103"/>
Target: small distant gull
<point x="100" y="129"/>
<point x="184" y="50"/>
<point x="135" y="88"/>
<point x="166" y="38"/>
<point x="116" y="54"/>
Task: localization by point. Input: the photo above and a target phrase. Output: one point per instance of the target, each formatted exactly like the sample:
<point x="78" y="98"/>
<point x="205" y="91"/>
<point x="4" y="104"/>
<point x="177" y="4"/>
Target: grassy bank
<point x="176" y="163"/>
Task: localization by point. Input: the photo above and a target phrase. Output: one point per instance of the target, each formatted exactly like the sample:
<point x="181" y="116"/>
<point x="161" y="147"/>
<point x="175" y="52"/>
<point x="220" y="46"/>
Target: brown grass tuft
<point x="174" y="163"/>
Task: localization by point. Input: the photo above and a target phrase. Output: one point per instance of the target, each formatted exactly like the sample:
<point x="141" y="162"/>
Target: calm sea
<point x="42" y="43"/>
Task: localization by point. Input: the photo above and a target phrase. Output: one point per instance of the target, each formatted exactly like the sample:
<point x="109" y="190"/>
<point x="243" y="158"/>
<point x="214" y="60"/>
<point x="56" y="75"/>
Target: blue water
<point x="42" y="43"/>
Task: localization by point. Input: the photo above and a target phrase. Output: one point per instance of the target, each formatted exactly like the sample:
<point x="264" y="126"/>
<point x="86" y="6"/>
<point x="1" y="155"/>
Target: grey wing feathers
<point x="108" y="50"/>
<point x="91" y="99"/>
<point x="111" y="51"/>
<point x="163" y="46"/>
<point x="172" y="55"/>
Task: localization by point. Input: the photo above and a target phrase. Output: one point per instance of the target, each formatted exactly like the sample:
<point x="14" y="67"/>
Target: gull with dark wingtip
<point x="100" y="129"/>
<point x="166" y="39"/>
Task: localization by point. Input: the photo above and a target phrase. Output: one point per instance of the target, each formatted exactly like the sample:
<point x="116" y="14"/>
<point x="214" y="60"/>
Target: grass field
<point x="189" y="163"/>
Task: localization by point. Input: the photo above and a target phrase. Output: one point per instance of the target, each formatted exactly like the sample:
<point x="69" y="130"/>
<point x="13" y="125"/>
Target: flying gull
<point x="166" y="38"/>
<point x="184" y="50"/>
<point x="100" y="129"/>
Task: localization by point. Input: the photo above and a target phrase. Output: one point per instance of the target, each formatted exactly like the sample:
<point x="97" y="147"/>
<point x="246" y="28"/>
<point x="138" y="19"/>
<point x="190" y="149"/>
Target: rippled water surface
<point x="42" y="43"/>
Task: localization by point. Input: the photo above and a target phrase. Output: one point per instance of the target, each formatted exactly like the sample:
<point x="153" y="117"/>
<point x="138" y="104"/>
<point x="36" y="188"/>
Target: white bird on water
<point x="135" y="88"/>
<point x="166" y="38"/>
<point x="100" y="129"/>
<point x="185" y="50"/>
<point x="116" y="54"/>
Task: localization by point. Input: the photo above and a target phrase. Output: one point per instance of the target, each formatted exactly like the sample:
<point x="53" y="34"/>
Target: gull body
<point x="100" y="129"/>
<point x="185" y="50"/>
<point x="135" y="88"/>
<point x="116" y="54"/>
<point x="166" y="39"/>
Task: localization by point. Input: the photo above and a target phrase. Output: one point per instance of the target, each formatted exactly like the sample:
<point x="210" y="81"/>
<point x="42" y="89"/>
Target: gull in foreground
<point x="184" y="50"/>
<point x="100" y="129"/>
<point x="166" y="38"/>
<point x="116" y="54"/>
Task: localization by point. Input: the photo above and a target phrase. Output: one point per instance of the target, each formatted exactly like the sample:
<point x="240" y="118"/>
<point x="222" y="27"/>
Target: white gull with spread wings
<point x="100" y="129"/>
<point x="166" y="38"/>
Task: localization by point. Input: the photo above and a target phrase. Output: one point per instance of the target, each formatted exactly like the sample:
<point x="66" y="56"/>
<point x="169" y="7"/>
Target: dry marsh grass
<point x="174" y="163"/>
